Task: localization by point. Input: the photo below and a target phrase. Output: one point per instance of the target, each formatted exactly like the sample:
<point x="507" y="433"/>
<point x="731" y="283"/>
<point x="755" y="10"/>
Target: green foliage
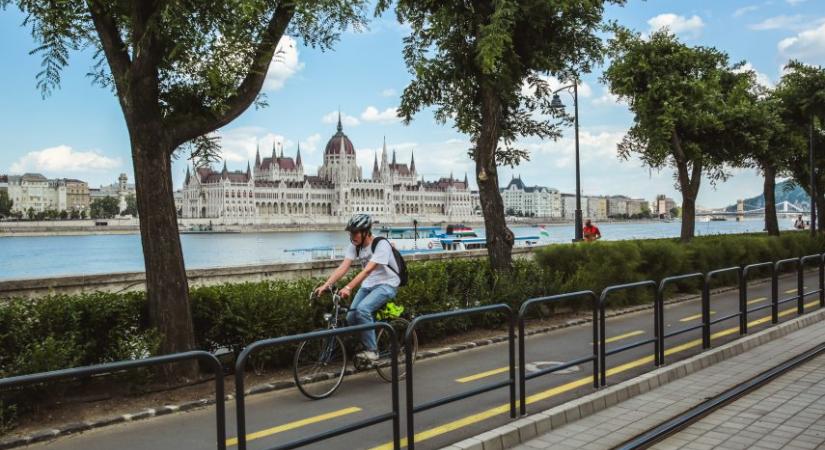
<point x="104" y="208"/>
<point x="131" y="206"/>
<point x="6" y="204"/>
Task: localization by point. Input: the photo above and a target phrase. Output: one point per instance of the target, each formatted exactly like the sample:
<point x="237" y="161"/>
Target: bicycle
<point x="319" y="365"/>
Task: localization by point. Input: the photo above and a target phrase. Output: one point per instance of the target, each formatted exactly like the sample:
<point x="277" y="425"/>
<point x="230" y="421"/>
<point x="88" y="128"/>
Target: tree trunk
<point x="499" y="238"/>
<point x="167" y="288"/>
<point x="820" y="206"/>
<point x="689" y="181"/>
<point x="769" y="192"/>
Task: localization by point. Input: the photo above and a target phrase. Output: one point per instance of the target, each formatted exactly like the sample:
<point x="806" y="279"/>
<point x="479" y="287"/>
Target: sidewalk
<point x="787" y="409"/>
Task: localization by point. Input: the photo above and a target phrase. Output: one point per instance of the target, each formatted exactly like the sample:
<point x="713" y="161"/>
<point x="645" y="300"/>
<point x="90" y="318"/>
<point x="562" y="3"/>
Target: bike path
<point x="282" y="416"/>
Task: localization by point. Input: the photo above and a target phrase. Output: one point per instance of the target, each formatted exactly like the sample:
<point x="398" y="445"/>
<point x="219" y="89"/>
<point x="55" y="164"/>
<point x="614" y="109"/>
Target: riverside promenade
<point x="788" y="412"/>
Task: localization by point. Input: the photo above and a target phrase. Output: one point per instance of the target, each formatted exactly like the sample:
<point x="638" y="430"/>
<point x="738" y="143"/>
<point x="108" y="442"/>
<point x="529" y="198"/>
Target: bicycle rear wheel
<point x="319" y="366"/>
<point x="383" y="366"/>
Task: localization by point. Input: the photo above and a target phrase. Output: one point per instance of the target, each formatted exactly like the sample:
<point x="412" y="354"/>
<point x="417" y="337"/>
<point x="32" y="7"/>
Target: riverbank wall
<point x="136" y="281"/>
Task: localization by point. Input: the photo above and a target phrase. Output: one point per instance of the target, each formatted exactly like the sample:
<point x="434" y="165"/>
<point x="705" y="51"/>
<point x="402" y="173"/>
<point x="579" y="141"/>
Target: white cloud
<point x="584" y="89"/>
<point x="744" y="10"/>
<point x="285" y="63"/>
<point x="62" y="160"/>
<point x="332" y="117"/>
<point x="608" y="99"/>
<point x="779" y="22"/>
<point x="690" y="27"/>
<point x="310" y="144"/>
<point x="807" y="46"/>
<point x="761" y="78"/>
<point x="388" y="92"/>
<point x="238" y="145"/>
<point x="372" y="114"/>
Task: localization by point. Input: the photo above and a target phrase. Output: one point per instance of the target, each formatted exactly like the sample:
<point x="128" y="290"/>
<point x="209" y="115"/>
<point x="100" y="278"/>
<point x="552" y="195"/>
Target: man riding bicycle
<point x="379" y="279"/>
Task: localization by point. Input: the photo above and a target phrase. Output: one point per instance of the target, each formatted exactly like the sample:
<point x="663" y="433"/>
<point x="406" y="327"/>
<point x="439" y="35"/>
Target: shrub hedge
<point x="62" y="331"/>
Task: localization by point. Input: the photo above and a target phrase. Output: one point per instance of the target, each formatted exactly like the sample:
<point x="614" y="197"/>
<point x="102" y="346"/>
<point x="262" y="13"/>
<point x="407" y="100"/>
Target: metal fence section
<point x="522" y="361"/>
<point x="394" y="415"/>
<point x="800" y="305"/>
<point x="603" y="353"/>
<point x="412" y="408"/>
<point x="820" y="260"/>
<point x="706" y="320"/>
<point x="660" y="321"/>
<point x="87" y="371"/>
<point x="774" y="291"/>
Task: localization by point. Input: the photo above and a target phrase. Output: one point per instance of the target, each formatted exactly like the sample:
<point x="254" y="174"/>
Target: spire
<point x="282" y="149"/>
<point x="224" y="172"/>
<point x="465" y="180"/>
<point x="248" y="171"/>
<point x="186" y="181"/>
<point x="451" y="176"/>
<point x="412" y="162"/>
<point x="258" y="155"/>
<point x="375" y="164"/>
<point x="340" y="128"/>
<point x="298" y="156"/>
<point x="393" y="157"/>
<point x="274" y="151"/>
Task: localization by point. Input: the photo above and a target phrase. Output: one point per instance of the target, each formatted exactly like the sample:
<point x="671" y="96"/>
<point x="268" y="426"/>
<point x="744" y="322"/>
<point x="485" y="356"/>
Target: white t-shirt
<point x="383" y="256"/>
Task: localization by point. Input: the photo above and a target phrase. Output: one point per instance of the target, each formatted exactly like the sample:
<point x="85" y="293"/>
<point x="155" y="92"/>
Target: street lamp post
<point x="557" y="104"/>
<point x="813" y="181"/>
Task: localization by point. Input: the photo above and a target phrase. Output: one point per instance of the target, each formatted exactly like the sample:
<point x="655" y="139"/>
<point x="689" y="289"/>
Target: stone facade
<point x="531" y="201"/>
<point x="36" y="192"/>
<point x="276" y="189"/>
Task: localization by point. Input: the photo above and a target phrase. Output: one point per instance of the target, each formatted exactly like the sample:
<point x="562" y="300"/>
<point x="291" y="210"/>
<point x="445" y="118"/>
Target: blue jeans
<point x="366" y="302"/>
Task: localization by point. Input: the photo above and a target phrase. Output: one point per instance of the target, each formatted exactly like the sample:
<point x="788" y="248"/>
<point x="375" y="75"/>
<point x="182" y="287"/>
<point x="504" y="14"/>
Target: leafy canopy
<point x="455" y="49"/>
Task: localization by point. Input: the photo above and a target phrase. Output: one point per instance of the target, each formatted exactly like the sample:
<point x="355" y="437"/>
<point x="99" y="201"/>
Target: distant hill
<point x="795" y="195"/>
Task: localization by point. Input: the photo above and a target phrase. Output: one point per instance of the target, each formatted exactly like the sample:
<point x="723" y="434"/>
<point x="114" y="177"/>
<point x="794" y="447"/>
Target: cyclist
<point x="379" y="279"/>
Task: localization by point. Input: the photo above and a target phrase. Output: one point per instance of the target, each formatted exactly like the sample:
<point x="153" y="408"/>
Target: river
<point x="50" y="256"/>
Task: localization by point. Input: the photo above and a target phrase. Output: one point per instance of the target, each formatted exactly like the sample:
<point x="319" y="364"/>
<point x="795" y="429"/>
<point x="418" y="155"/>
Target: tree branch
<point x="185" y="127"/>
<point x="113" y="45"/>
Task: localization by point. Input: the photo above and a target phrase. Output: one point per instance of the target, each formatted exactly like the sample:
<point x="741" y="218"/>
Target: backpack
<point x="399" y="260"/>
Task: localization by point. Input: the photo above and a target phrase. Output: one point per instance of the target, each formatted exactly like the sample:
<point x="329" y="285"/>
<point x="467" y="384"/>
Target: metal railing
<point x="660" y="322"/>
<point x="774" y="291"/>
<point x="706" y="320"/>
<point x="87" y="371"/>
<point x="412" y="408"/>
<point x="522" y="361"/>
<point x="800" y="304"/>
<point x="394" y="415"/>
<point x="820" y="259"/>
<point x="603" y="352"/>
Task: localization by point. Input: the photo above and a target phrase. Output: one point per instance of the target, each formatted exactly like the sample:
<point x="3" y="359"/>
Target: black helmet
<point x="360" y="222"/>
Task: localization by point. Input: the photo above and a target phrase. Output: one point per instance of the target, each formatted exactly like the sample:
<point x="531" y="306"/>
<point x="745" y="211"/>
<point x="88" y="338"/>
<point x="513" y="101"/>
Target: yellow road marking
<point x="484" y="415"/>
<point x="694" y="317"/>
<point x="294" y="425"/>
<point x="481" y="375"/>
<point x="490" y="373"/>
<point x="757" y="300"/>
<point x="791" y="291"/>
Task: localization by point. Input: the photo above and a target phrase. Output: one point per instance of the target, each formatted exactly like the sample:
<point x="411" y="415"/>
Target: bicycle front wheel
<point x="319" y="366"/>
<point x="384" y="367"/>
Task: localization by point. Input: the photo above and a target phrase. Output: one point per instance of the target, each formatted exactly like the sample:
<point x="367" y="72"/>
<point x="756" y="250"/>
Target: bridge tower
<point x="740" y="210"/>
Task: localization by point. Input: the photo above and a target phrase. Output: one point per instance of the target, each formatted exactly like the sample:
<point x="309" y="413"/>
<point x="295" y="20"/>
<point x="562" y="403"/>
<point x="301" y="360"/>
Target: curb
<point x="533" y="425"/>
<point x="161" y="410"/>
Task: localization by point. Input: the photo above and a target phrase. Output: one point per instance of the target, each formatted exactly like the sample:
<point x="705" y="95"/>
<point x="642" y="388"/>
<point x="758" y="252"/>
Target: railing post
<point x="512" y="353"/>
<point x="408" y="380"/>
<point x="774" y="295"/>
<point x="602" y="343"/>
<point x="522" y="368"/>
<point x="800" y="288"/>
<point x="743" y="303"/>
<point x="658" y="345"/>
<point x="706" y="313"/>
<point x="822" y="281"/>
<point x="595" y="342"/>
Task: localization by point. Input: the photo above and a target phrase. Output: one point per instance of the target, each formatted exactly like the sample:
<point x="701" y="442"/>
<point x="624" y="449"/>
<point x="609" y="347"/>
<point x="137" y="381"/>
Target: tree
<point x="802" y="94"/>
<point x="675" y="212"/>
<point x="75" y="214"/>
<point x="483" y="66"/>
<point x="678" y="95"/>
<point x="83" y="214"/>
<point x="104" y="208"/>
<point x="6" y="204"/>
<point x="30" y="213"/>
<point x="180" y="70"/>
<point x="131" y="206"/>
<point x="64" y="214"/>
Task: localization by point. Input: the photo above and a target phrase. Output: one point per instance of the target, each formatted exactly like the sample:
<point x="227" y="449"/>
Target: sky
<point x="79" y="131"/>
